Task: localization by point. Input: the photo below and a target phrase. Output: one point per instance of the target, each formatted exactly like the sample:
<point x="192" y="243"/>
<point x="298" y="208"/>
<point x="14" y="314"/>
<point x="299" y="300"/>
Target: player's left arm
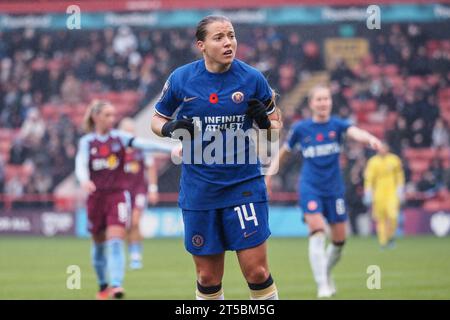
<point x="365" y="137"/>
<point x="276" y="122"/>
<point x="152" y="175"/>
<point x="267" y="116"/>
<point x="129" y="140"/>
<point x="369" y="176"/>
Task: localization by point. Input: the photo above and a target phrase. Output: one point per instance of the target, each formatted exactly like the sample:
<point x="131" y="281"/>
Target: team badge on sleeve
<point x="164" y="90"/>
<point x="237" y="97"/>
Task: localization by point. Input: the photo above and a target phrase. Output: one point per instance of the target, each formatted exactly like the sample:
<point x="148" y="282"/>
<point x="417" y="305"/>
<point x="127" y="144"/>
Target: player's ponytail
<point x="94" y="108"/>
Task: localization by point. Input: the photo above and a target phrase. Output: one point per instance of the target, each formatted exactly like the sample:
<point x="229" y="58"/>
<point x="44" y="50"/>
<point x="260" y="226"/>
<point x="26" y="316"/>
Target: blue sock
<point x="135" y="250"/>
<point x="98" y="256"/>
<point x="116" y="261"/>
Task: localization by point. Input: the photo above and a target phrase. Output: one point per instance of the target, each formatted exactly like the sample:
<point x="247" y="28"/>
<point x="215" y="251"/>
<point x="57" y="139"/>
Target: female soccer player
<point x="99" y="169"/>
<point x="321" y="186"/>
<point x="224" y="204"/>
<point x="137" y="164"/>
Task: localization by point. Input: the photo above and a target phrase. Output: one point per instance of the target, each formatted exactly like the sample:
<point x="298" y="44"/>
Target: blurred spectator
<point x="71" y="90"/>
<point x="397" y="138"/>
<point x="33" y="128"/>
<point x="14" y="187"/>
<point x="125" y="41"/>
<point x="440" y="135"/>
<point x="355" y="192"/>
<point x="2" y="174"/>
<point x="428" y="185"/>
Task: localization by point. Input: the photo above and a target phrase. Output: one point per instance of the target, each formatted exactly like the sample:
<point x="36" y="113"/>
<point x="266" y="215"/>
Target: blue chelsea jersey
<point x="216" y="102"/>
<point x="320" y="145"/>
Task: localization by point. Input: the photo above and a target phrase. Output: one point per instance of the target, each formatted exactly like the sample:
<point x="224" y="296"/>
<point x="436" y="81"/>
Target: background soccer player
<point x="383" y="189"/>
<point x="137" y="164"/>
<point x="99" y="169"/>
<point x="321" y="186"/>
<point x="224" y="205"/>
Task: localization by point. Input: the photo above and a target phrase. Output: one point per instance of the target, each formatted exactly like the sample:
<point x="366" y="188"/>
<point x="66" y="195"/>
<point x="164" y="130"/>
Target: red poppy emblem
<point x="312" y="205"/>
<point x="213" y="98"/>
<point x="103" y="150"/>
<point x="319" y="137"/>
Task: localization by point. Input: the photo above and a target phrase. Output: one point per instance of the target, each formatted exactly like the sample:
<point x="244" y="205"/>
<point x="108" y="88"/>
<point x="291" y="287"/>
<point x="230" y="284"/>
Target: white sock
<point x="318" y="258"/>
<point x="333" y="256"/>
<point x="269" y="293"/>
<point x="274" y="296"/>
<point x="199" y="296"/>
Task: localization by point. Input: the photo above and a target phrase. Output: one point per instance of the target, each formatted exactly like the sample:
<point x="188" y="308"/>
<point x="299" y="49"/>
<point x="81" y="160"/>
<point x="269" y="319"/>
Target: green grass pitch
<point x="418" y="268"/>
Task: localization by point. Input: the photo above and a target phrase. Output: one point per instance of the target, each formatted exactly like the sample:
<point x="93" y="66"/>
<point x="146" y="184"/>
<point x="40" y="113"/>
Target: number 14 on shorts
<point x="243" y="214"/>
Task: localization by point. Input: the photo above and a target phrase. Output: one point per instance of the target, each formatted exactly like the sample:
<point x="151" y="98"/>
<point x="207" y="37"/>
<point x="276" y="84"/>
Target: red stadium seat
<point x="374" y="70"/>
<point x="348" y="93"/>
<point x="414" y="82"/>
<point x="377" y="129"/>
<point x="432" y="46"/>
<point x="390" y="70"/>
<point x="444" y="154"/>
<point x="419" y="165"/>
<point x="433" y="205"/>
<point x="426" y="154"/>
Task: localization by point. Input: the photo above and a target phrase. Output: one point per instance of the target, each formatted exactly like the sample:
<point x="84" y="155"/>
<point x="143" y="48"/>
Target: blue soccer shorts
<point x="208" y="232"/>
<point x="331" y="207"/>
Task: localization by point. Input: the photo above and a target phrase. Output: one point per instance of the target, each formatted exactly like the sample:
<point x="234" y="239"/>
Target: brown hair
<point x="201" y="32"/>
<point x="316" y="87"/>
<point x="95" y="107"/>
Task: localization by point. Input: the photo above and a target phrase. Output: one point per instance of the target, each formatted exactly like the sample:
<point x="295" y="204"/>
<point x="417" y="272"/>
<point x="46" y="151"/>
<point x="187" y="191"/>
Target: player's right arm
<point x="162" y="123"/>
<point x="82" y="166"/>
<point x="280" y="158"/>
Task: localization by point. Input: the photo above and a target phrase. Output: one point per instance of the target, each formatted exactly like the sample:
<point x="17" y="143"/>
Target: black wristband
<point x="167" y="129"/>
<point x="264" y="123"/>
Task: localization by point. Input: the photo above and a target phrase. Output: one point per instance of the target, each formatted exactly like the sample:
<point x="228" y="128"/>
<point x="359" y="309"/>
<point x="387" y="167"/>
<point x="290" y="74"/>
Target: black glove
<point x="170" y="126"/>
<point x="257" y="111"/>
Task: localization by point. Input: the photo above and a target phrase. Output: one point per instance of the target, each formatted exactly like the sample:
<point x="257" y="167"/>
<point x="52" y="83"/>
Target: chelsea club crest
<point x="237" y="97"/>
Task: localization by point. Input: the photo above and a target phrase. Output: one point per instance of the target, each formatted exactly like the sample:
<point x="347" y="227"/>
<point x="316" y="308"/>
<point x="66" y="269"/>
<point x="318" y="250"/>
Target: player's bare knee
<point x="339" y="243"/>
<point x="317" y="232"/>
<point x="257" y="275"/>
<point x="208" y="279"/>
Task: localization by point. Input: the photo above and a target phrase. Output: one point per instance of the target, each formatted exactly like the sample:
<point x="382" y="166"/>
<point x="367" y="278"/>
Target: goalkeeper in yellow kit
<point x="383" y="189"/>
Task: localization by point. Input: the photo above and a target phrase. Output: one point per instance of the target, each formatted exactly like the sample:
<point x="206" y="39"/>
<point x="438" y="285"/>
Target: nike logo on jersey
<point x="186" y="99"/>
<point x="246" y="235"/>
